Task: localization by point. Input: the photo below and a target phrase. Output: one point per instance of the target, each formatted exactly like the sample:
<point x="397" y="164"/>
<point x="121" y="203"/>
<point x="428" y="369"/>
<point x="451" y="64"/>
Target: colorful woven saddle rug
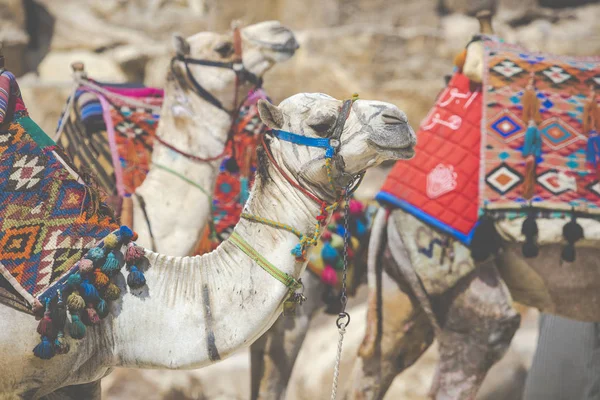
<point x="475" y="144"/>
<point x="109" y="131"/>
<point x="57" y="239"/>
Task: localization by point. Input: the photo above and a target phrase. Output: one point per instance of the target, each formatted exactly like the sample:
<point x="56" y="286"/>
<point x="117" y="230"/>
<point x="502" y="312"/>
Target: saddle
<point x="59" y="243"/>
<point x="515" y="146"/>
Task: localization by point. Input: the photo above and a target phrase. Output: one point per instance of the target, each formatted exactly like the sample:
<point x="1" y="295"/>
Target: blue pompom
<point x="74" y="280"/>
<point x="95" y="254"/>
<point x="111" y="264"/>
<point x="125" y="233"/>
<point x="44" y="350"/>
<point x="329" y="254"/>
<point x="89" y="291"/>
<point x="361" y="229"/>
<point x="136" y="278"/>
<point x="102" y="309"/>
<point x="341" y="231"/>
<point x="297" y="250"/>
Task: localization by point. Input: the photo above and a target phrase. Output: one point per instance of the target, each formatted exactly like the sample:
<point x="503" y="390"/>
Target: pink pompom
<point x="86" y="266"/>
<point x="326" y="236"/>
<point x="329" y="276"/>
<point x="134" y="253"/>
<point x="355" y="207"/>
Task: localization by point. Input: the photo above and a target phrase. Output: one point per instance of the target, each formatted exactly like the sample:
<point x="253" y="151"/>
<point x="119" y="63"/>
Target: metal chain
<point x="343" y="319"/>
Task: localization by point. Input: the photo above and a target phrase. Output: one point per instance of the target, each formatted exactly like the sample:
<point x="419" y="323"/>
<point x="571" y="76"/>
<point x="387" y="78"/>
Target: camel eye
<point x="225" y="49"/>
<point x="321" y="128"/>
<point x="321" y="123"/>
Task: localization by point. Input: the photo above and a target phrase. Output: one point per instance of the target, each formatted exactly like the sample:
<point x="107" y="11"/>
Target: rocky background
<point x="393" y="50"/>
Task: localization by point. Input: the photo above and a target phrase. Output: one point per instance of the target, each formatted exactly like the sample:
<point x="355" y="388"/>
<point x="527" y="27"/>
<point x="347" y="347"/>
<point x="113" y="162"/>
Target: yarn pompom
<point x="75" y="302"/>
<point x="59" y="315"/>
<point x="112" y="292"/>
<point x="74" y="280"/>
<point x="134" y="253"/>
<point x="329" y="254"/>
<point x="92" y="315"/>
<point x="136" y="278"/>
<point x="100" y="279"/>
<point x="45" y="327"/>
<point x="95" y="254"/>
<point x="89" y="291"/>
<point x="86" y="266"/>
<point x="77" y="328"/>
<point x="326" y="236"/>
<point x="125" y="233"/>
<point x="297" y="251"/>
<point x="329" y="276"/>
<point x="111" y="241"/>
<point x="102" y="309"/>
<point x="44" y="350"/>
<point x="111" y="264"/>
<point x="355" y="207"/>
<point x="61" y="344"/>
<point x="572" y="232"/>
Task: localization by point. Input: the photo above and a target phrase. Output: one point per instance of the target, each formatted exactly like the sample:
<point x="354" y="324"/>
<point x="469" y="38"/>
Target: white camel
<point x="198" y="310"/>
<point x="193" y="125"/>
<point x="471" y="313"/>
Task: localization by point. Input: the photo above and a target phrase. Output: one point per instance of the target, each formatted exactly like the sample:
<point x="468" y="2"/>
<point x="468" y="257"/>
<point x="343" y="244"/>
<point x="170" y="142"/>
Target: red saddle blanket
<point x="470" y="146"/>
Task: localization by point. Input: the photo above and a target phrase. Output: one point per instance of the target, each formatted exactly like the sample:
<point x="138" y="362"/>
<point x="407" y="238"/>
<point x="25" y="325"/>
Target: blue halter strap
<point x="331" y="145"/>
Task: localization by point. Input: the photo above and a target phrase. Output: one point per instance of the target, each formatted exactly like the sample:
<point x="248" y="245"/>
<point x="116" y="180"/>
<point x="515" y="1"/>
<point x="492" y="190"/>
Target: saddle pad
<point x="233" y="185"/>
<point x="111" y="136"/>
<point x="563" y="179"/>
<point x="48" y="219"/>
<point x="440" y="184"/>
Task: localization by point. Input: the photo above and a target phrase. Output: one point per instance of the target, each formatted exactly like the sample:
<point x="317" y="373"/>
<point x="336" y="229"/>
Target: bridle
<point x="242" y="75"/>
<point x="237" y="66"/>
<point x="332" y="146"/>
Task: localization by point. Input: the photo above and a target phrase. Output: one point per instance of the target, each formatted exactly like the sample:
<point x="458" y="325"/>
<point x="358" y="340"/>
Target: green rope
<point x="180" y="176"/>
<point x="273" y="224"/>
<point x="275" y="272"/>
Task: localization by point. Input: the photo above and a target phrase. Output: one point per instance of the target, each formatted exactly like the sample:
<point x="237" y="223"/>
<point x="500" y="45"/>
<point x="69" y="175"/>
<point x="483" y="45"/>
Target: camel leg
<point x="478" y="325"/>
<point x="403" y="335"/>
<point x="273" y="357"/>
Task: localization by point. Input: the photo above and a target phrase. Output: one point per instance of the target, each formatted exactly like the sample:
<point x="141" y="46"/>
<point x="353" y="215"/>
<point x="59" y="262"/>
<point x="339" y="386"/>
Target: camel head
<point x="373" y="132"/>
<point x="262" y="46"/>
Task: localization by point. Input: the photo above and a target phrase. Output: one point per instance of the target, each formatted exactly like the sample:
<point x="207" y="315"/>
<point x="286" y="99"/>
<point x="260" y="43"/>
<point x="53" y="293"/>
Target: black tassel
<point x="486" y="239"/>
<point x="572" y="232"/>
<point x="530" y="230"/>
<point x="232" y="166"/>
<point x="59" y="314"/>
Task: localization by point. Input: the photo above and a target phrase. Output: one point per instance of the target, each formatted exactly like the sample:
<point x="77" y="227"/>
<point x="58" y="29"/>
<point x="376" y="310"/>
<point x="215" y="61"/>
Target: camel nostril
<point x="393" y="119"/>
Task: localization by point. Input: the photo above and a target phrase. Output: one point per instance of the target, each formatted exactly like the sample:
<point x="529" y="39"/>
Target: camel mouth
<point x="395" y="153"/>
<point x="397" y="140"/>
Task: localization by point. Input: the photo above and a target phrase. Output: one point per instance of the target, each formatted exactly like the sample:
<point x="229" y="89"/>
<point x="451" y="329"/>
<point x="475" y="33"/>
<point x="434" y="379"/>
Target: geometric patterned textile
<point x="111" y="134"/>
<point x="469" y="152"/>
<point x="564" y="180"/>
<point x="440" y="184"/>
<point x="232" y="188"/>
<point x="86" y="138"/>
<point x="48" y="219"/>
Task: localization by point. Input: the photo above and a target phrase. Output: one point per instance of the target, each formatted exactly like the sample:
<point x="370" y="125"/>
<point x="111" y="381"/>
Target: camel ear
<point x="182" y="47"/>
<point x="270" y="114"/>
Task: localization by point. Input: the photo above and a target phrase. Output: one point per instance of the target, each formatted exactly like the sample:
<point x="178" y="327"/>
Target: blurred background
<point x="392" y="50"/>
